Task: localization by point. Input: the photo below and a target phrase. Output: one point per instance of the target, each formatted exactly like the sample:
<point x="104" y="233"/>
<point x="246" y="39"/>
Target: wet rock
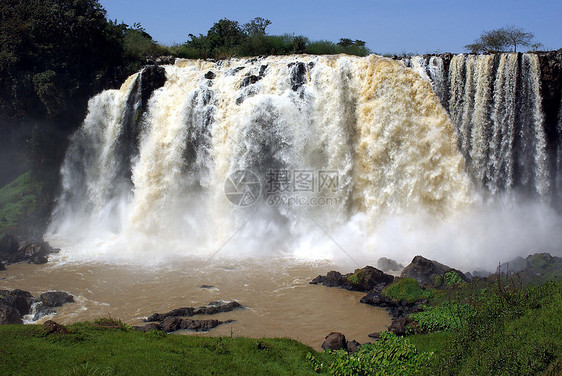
<point x="400" y="325"/>
<point x="12" y="251"/>
<point x="298" y="75"/>
<point x="353" y="346"/>
<point x="178" y="312"/>
<point x="52" y="327"/>
<point x="332" y="279"/>
<point x="396" y="309"/>
<point x="365" y="279"/>
<point x="263" y="68"/>
<point x="152" y="77"/>
<point x="389" y="265"/>
<point x="201" y="325"/>
<point x="235" y="70"/>
<point x="212" y="308"/>
<point x="207" y="287"/>
<point x="375" y="335"/>
<point x="210" y="75"/>
<point x="171" y="324"/>
<point x="335" y="341"/>
<point x="147" y="327"/>
<point x="2" y="267"/>
<point x="217" y="307"/>
<point x="39" y="310"/>
<point x="9" y="315"/>
<point x="377" y="299"/>
<point x="56" y="298"/>
<point x="18" y="299"/>
<point x="250" y="80"/>
<point x="369" y="278"/>
<point x="425" y="271"/>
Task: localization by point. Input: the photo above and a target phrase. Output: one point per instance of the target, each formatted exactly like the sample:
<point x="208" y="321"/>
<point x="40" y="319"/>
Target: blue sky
<point x="388" y="26"/>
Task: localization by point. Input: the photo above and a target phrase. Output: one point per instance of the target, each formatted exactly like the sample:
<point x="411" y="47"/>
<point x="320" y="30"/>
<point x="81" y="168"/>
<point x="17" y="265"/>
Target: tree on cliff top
<point x="499" y="40"/>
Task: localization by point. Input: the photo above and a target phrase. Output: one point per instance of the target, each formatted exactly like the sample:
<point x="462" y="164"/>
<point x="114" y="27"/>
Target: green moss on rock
<point x="407" y="289"/>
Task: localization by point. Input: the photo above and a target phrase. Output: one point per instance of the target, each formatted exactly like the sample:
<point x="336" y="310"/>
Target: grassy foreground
<point x="90" y="350"/>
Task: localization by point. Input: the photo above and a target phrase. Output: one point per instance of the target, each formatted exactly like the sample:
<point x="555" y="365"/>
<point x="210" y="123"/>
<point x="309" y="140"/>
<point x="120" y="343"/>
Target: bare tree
<point x="516" y="36"/>
<point x="501" y="39"/>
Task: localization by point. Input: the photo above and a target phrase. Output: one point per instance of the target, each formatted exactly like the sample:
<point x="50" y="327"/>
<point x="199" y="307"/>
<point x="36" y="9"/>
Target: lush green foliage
<point x="407" y="289"/>
<point x="18" y="200"/>
<point x="391" y="355"/>
<point x="228" y="38"/>
<point x="96" y="350"/>
<point x="53" y="51"/>
<point x="431" y="342"/>
<point x="447" y="316"/>
<point x="512" y="331"/>
<point x="452" y="278"/>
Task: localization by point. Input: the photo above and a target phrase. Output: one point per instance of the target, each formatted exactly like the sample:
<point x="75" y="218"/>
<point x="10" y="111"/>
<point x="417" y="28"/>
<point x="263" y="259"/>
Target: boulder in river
<point x="56" y="298"/>
<point x="364" y="279"/>
<point x="335" y="341"/>
<point x="9" y="315"/>
<point x="211" y="309"/>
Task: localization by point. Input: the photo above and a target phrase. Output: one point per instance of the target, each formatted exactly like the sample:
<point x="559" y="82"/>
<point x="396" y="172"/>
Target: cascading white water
<point x="354" y="155"/>
<point x="370" y="120"/>
<point x="495" y="104"/>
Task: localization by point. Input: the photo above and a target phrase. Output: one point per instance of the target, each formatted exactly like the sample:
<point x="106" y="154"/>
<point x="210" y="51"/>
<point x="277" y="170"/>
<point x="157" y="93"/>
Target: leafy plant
<point x="391" y="355"/>
<point x="452" y="278"/>
<point x="447" y="316"/>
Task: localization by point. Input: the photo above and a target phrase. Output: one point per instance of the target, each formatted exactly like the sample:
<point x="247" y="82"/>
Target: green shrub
<point x="391" y="355"/>
<point x="447" y="316"/>
<point x="407" y="289"/>
<point x="511" y="331"/>
<point x="453" y="278"/>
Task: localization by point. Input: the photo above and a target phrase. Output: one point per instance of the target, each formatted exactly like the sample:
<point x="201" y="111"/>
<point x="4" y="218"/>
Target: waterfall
<point x="495" y="104"/>
<point x="327" y="137"/>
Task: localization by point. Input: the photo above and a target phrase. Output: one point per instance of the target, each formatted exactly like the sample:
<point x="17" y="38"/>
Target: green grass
<point x="430" y="342"/>
<point x="90" y="350"/>
<point x="512" y="331"/>
<point x="18" y="199"/>
<point x="407" y="289"/>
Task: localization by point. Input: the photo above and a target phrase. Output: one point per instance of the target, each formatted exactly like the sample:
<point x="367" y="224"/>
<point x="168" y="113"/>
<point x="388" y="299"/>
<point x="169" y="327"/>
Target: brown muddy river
<point x="279" y="300"/>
